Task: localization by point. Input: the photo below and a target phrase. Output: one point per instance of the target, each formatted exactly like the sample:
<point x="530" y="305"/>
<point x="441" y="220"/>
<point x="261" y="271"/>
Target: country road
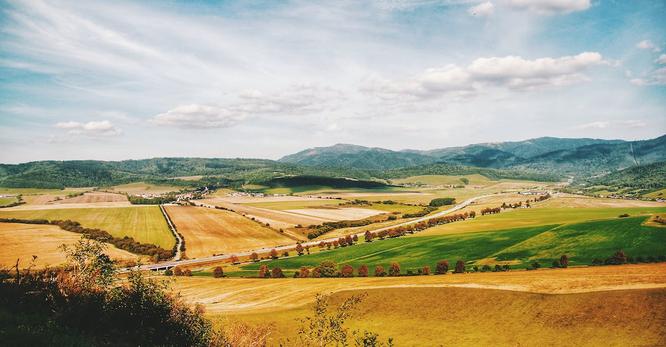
<point x="170" y="264"/>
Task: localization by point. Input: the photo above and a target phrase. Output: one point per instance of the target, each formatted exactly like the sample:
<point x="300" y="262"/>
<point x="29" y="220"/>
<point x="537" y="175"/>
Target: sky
<point x="114" y="80"/>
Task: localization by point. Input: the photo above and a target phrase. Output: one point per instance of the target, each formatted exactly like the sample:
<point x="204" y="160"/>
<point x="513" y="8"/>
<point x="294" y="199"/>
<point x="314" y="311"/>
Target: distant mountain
<point x="352" y="156"/>
<point x="546" y="154"/>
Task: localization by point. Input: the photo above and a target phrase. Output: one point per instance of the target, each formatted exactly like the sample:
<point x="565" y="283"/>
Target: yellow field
<point x="210" y="231"/>
<point x="580" y="201"/>
<point x="144" y="188"/>
<point x="22" y="241"/>
<point x="94" y="198"/>
<point x="292" y="204"/>
<point x="583" y="306"/>
<point x="143" y="223"/>
<point x="657" y="194"/>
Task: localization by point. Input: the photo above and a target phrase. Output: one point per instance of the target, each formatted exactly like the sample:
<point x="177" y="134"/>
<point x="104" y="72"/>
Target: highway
<point x="172" y="263"/>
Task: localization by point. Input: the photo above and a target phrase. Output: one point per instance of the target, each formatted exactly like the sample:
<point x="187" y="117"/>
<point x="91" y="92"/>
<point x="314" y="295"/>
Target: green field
<point x="145" y="223"/>
<point x="582" y="242"/>
<point x="7" y="200"/>
<point x="27" y="191"/>
<point x="534" y="217"/>
<point x="657" y="194"/>
<point x="294" y="205"/>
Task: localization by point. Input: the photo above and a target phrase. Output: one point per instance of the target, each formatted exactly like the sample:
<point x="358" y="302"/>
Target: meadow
<point x="582" y="242"/>
<point x="144" y="188"/>
<point x="144" y="223"/>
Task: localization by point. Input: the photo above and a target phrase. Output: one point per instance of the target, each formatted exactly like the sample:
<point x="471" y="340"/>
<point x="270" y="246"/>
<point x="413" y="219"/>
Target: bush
<point x="485" y="268"/>
<point x="379" y="271"/>
<point x="328" y="269"/>
<point x="426" y="270"/>
<point x="264" y="272"/>
<point x="347" y="271"/>
<point x="564" y="261"/>
<point x="460" y="267"/>
<point x="442" y="267"/>
<point x="277" y="273"/>
<point x="177" y="271"/>
<point x="168" y="272"/>
<point x="442" y="202"/>
<point x="394" y="270"/>
<point x="218" y="272"/>
<point x="363" y="271"/>
<point x="187" y="272"/>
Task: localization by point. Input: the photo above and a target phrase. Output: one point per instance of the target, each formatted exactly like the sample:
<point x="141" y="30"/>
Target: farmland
<point x="518" y="247"/>
<point x="210" y="231"/>
<point x="144" y="223"/>
<point x="144" y="188"/>
<point x="22" y="241"/>
<point x="577" y="303"/>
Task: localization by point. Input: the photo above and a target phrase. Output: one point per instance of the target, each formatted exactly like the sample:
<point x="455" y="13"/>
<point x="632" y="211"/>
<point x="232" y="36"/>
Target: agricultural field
<point x="7" y="200"/>
<point x="439" y="180"/>
<point x="94" y="198"/>
<point x="658" y="194"/>
<point x="143" y="188"/>
<point x="295" y="204"/>
<point x="209" y="231"/>
<point x="543" y="302"/>
<point x="562" y="200"/>
<point x="22" y="241"/>
<point x="337" y="214"/>
<point x="144" y="223"/>
<point x="517" y="247"/>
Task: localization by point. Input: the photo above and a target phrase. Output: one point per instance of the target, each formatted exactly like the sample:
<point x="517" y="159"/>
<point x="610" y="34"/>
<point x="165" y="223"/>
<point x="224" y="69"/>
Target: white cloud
<point x="510" y="72"/>
<point x="661" y="59"/>
<point x="648" y="45"/>
<point x="299" y="99"/>
<point x="199" y="116"/>
<point x="630" y="123"/>
<point x="92" y="129"/>
<point x="654" y="78"/>
<point x="484" y="9"/>
<point x="549" y="6"/>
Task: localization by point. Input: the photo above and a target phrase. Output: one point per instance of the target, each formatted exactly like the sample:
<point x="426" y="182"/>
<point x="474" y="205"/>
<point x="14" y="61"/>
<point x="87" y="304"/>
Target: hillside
<point x="644" y="178"/>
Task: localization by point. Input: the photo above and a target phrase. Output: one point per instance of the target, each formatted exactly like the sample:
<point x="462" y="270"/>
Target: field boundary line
<point x="179" y="240"/>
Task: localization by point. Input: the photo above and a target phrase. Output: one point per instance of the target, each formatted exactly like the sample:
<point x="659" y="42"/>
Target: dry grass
<point x="94" y="198"/>
<point x="210" y="231"/>
<point x="486" y="317"/>
<point x="262" y="295"/>
<point x="22" y="241"/>
<point x="337" y="214"/>
<point x="580" y="201"/>
<point x="144" y="188"/>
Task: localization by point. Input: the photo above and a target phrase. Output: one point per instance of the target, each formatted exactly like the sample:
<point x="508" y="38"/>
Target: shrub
<point x="263" y="271"/>
<point x="426" y="270"/>
<point x="254" y="256"/>
<point x="218" y="272"/>
<point x="168" y="272"/>
<point x="564" y="261"/>
<point x="597" y="261"/>
<point x="363" y="271"/>
<point x="177" y="271"/>
<point x="442" y="267"/>
<point x="234" y="259"/>
<point x="506" y="267"/>
<point x="442" y="202"/>
<point x="394" y="270"/>
<point x="304" y="272"/>
<point x="347" y="271"/>
<point x="379" y="271"/>
<point x="460" y="267"/>
<point x="661" y="258"/>
<point x="328" y="269"/>
<point x="273" y="254"/>
<point x="624" y="215"/>
<point x="497" y="268"/>
<point x="277" y="273"/>
<point x="187" y="272"/>
<point x="618" y="258"/>
<point x="536" y="265"/>
<point x="299" y="249"/>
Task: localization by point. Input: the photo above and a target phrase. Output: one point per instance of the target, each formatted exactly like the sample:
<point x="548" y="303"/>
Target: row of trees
<point x="126" y="243"/>
<point x="619" y="258"/>
<point x="329" y="269"/>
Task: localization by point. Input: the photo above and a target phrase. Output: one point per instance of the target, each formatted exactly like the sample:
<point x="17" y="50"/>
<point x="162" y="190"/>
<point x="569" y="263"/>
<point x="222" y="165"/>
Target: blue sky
<point x="126" y="80"/>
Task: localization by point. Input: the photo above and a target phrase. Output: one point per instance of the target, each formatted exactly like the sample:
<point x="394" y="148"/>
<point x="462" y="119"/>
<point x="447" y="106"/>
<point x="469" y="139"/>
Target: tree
<point x="218" y="272"/>
<point x="304" y="272"/>
<point x="299" y="249"/>
<point x="168" y="272"/>
<point x="234" y="259"/>
<point x="328" y="268"/>
<point x="263" y="271"/>
<point x="177" y="271"/>
<point x="347" y="271"/>
<point x="90" y="267"/>
<point x="394" y="270"/>
<point x="355" y="238"/>
<point x="368" y="236"/>
<point x="277" y="273"/>
<point x="379" y="271"/>
<point x="442" y="267"/>
<point x="187" y="272"/>
<point x="460" y="267"/>
<point x="254" y="256"/>
<point x="273" y="254"/>
<point x="564" y="261"/>
<point x="618" y="258"/>
<point x="363" y="271"/>
<point x="426" y="270"/>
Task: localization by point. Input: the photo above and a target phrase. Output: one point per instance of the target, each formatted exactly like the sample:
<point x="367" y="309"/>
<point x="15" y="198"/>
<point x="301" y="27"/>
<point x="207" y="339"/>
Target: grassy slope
<point x="485" y="317"/>
<point x="7" y="201"/>
<point x="293" y="205"/>
<point x="143" y="223"/>
<point x="536" y="216"/>
<point x="444" y="179"/>
<point x="582" y="242"/>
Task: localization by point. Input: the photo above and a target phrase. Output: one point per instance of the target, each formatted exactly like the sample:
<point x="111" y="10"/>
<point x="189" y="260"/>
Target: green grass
<point x="145" y="223"/>
<point x="312" y="189"/>
<point x="28" y="191"/>
<point x="7" y="201"/>
<point x="536" y="216"/>
<point x="657" y="194"/>
<point x="582" y="242"/>
<point x="294" y="205"/>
